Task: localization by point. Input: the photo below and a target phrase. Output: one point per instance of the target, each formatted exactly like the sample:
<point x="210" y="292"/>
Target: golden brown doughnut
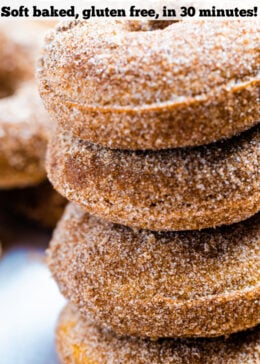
<point x="79" y="341"/>
<point x="41" y="204"/>
<point x="24" y="130"/>
<point x="148" y="284"/>
<point x="180" y="189"/>
<point x="118" y="84"/>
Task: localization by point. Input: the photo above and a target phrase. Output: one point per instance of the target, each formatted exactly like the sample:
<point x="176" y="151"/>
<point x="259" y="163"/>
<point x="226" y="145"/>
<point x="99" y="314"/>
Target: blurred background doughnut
<point x="40" y="204"/>
<point x="25" y="126"/>
<point x="24" y="131"/>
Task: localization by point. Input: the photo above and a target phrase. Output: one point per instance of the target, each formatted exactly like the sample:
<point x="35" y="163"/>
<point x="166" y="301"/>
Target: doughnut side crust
<point x="148" y="284"/>
<point x="180" y="189"/>
<point x="79" y="341"/>
<point x="183" y="85"/>
<point x="25" y="128"/>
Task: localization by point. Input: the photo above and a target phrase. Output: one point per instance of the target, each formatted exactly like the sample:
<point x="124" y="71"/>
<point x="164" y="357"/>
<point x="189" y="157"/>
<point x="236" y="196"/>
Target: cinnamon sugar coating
<point x="80" y="341"/>
<point x="179" y="189"/>
<point x="155" y="284"/>
<point x="131" y="85"/>
<point x="24" y="130"/>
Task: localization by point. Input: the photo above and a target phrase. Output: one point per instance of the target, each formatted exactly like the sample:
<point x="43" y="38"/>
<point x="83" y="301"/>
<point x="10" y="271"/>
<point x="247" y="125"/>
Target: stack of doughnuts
<point x="25" y="126"/>
<point x="157" y="147"/>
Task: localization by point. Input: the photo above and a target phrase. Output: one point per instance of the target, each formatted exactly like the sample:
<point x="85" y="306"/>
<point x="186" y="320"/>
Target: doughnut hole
<point x="148" y="25"/>
<point x="7" y="88"/>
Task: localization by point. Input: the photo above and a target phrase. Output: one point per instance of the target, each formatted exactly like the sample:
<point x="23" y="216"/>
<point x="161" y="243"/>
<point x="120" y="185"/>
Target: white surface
<point x="29" y="306"/>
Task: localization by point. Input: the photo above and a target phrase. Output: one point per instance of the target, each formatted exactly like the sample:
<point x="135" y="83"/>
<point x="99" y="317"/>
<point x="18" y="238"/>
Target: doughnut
<point x="159" y="284"/>
<point x="177" y="189"/>
<point x="40" y="204"/>
<point x="13" y="63"/>
<point x="24" y="124"/>
<point x="26" y="36"/>
<point x="152" y="85"/>
<point x="80" y="341"/>
<point x="21" y="41"/>
<point x="25" y="128"/>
